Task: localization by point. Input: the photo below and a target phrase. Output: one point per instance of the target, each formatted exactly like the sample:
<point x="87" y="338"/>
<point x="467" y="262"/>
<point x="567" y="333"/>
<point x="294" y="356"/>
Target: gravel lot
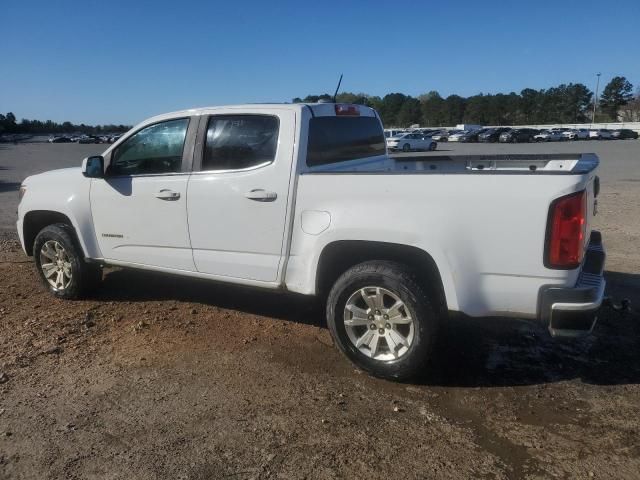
<point x="164" y="377"/>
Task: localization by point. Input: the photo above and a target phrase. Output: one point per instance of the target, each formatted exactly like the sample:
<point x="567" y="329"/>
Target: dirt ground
<point x="165" y="377"/>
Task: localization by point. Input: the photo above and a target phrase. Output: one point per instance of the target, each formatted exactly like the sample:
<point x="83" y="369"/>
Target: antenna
<point x="337" y="88"/>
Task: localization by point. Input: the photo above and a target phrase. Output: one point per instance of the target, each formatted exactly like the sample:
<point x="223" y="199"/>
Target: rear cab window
<point x="334" y="139"/>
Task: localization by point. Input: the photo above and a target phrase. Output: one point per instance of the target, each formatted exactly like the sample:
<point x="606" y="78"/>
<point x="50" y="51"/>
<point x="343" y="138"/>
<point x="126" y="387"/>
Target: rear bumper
<point x="572" y="311"/>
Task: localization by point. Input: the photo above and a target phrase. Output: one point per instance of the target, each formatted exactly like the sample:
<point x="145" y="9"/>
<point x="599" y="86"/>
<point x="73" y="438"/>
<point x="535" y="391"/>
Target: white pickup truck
<point x="304" y="198"/>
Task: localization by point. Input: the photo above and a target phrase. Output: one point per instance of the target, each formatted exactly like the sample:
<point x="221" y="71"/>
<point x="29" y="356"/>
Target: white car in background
<point x="440" y="136"/>
<point x="457" y="135"/>
<point x="548" y="136"/>
<point x="576" y="134"/>
<point x="411" y="141"/>
<point x="600" y="134"/>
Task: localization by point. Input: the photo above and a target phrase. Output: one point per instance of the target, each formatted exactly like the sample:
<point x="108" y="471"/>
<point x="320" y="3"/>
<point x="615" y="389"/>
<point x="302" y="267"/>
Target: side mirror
<point x="93" y="167"/>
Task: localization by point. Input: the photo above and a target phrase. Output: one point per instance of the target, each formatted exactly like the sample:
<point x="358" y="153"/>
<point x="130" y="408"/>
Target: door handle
<point x="260" y="195"/>
<point x="166" y="194"/>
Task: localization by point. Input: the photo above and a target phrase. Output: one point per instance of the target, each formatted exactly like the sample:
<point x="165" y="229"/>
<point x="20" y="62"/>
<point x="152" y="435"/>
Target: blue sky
<point x="122" y="61"/>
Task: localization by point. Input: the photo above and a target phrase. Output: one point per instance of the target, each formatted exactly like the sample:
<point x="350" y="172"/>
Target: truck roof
<point x="316" y="109"/>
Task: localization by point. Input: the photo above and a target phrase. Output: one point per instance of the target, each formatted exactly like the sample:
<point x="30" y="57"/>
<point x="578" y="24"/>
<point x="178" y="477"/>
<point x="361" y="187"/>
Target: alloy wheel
<point x="55" y="265"/>
<point x="378" y="323"/>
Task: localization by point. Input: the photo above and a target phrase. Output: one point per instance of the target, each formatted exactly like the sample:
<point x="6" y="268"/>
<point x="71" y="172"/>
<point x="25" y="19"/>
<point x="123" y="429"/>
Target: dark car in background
<point x="60" y="140"/>
<point x="492" y="135"/>
<point x="472" y="136"/>
<point x="623" y="134"/>
<point x="518" y="135"/>
<point x="90" y="139"/>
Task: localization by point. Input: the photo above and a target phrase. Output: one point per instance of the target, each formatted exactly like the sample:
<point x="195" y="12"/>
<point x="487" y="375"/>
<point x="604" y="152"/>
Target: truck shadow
<point x="138" y="285"/>
<point x="501" y="352"/>
<point x="486" y="352"/>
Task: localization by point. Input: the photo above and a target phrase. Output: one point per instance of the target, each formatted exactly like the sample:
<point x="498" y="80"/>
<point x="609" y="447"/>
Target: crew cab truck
<point x="304" y="198"/>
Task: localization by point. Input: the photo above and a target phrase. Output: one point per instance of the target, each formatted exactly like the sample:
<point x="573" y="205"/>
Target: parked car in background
<point x="600" y="134"/>
<point x="492" y="135"/>
<point x="411" y="141"/>
<point x="425" y="131"/>
<point x="548" y="136"/>
<point x="623" y="134"/>
<point x="456" y="135"/>
<point x="440" y="135"/>
<point x="576" y="134"/>
<point x="518" y="135"/>
<point x="90" y="139"/>
<point x="392" y="132"/>
<point x="472" y="136"/>
<point x="59" y="140"/>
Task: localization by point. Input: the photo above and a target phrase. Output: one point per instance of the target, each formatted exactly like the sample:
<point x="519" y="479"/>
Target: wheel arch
<point x="338" y="256"/>
<point x="35" y="220"/>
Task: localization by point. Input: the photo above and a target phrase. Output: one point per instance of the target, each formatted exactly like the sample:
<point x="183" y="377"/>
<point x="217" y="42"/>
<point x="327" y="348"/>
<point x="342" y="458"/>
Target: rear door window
<point x="236" y="142"/>
<point x="338" y="139"/>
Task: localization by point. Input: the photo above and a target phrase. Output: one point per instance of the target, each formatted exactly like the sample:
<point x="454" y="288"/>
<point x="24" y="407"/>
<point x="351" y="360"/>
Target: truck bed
<point x="428" y="163"/>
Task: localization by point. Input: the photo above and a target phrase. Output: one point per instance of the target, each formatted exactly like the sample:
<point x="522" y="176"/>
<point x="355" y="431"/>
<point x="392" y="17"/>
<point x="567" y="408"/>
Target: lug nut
<point x="372" y="326"/>
<point x="377" y="312"/>
<point x="387" y="326"/>
<point x="370" y="317"/>
<point x="386" y="317"/>
<point x="381" y="331"/>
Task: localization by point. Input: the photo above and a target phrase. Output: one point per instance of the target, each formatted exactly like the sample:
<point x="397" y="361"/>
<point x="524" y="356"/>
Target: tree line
<point x="565" y="103"/>
<point x="9" y="124"/>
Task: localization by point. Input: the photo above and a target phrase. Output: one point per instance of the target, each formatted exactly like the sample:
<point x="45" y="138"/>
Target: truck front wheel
<point x="61" y="264"/>
<point x="382" y="319"/>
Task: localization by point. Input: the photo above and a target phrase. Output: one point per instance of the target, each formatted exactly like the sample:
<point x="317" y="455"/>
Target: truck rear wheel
<point x="383" y="320"/>
<point x="61" y="264"/>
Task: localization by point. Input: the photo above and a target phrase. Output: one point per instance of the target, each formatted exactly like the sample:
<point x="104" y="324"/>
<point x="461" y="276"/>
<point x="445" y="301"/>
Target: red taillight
<point x="347" y="110"/>
<point x="566" y="231"/>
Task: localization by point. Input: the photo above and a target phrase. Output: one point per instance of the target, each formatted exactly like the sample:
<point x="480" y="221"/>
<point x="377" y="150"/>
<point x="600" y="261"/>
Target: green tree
<point x="530" y="105"/>
<point x="410" y="112"/>
<point x="477" y="109"/>
<point x="630" y="112"/>
<point x="616" y="94"/>
<point x="432" y="106"/>
<point x="390" y="108"/>
<point x="9" y="123"/>
<point x="454" y="109"/>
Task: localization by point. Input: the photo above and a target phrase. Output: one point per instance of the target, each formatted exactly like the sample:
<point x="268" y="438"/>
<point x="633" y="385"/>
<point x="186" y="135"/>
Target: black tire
<point x="398" y="279"/>
<point x="433" y="146"/>
<point x="406" y="147"/>
<point x="85" y="277"/>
